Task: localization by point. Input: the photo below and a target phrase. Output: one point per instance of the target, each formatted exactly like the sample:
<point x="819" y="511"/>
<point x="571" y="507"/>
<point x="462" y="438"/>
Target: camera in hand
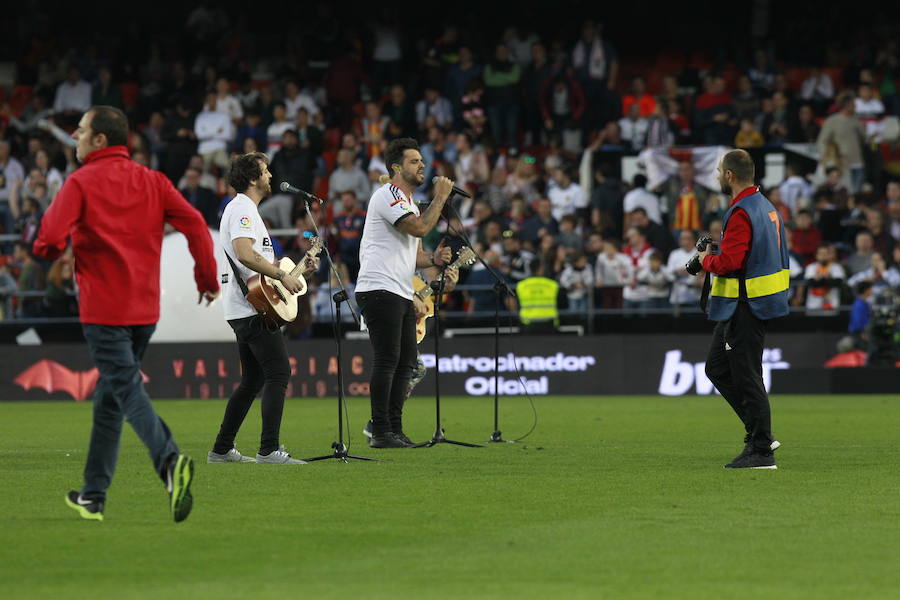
<point x="693" y="266"/>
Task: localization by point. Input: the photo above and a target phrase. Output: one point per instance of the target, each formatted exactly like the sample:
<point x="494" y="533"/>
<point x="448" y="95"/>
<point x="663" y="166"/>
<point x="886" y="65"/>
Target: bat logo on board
<point x="51" y="376"/>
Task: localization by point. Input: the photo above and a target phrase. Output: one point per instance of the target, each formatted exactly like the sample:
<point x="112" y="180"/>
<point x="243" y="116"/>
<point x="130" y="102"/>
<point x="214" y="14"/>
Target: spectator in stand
<point x="746" y="102"/>
<point x="294" y="164"/>
<point x="105" y="92"/>
<point x="566" y="196"/>
<point x="818" y="90"/>
<point x="638" y="252"/>
<point x="483" y="300"/>
<point x="867" y="106"/>
<point x="656" y="279"/>
<point x="861" y="258"/>
<point x="660" y="128"/>
<point x="520" y="42"/>
<point x="776" y="123"/>
<point x="434" y="105"/>
<point x="386" y="51"/>
<point x="252" y="128"/>
<point x="348" y="224"/>
<point x="640" y="197"/>
<point x="471" y="166"/>
<point x="347" y="177"/>
<point x="539" y="71"/>
<point x="841" y="142"/>
<point x="28" y="221"/>
<point x="11" y="175"/>
<point x="657" y="235"/>
<point x="748" y="136"/>
<point x="276" y="129"/>
<point x="295" y="98"/>
<point x="60" y="299"/>
<point x="248" y="95"/>
<point x="646" y="103"/>
<point x="596" y="67"/>
<point x="796" y="191"/>
<point x="226" y="103"/>
<point x="458" y="77"/>
<point x="762" y="73"/>
<point x="860" y="313"/>
<point x="577" y="279"/>
<point x="568" y="236"/>
<point x="180" y="139"/>
<point x="517" y="260"/>
<point x="562" y="104"/>
<point x="892" y="198"/>
<point x="543" y="222"/>
<point x="400" y="113"/>
<point x="473" y="109"/>
<point x="8" y="287"/>
<point x="501" y="79"/>
<point x="31" y="279"/>
<point x="805" y="237"/>
<point x="685" y="287"/>
<point x="880" y="275"/>
<point x="823" y="280"/>
<point x="684" y="200"/>
<point x="607" y="201"/>
<point x="881" y="239"/>
<point x="214" y="132"/>
<point x="774" y="196"/>
<point x="372" y="128"/>
<point x="715" y="117"/>
<point x="438" y="149"/>
<point x="73" y="97"/>
<point x="524" y="180"/>
<point x="207" y="180"/>
<point x="612" y="272"/>
<point x="634" y="128"/>
<point x="203" y="199"/>
<point x="51" y="175"/>
<point x="804" y="129"/>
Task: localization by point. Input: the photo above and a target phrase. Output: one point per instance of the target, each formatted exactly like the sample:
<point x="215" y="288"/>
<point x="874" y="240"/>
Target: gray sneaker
<point x="231" y="456"/>
<point x="279" y="457"/>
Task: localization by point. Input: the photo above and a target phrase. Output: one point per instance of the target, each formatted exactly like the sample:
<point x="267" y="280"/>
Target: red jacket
<point x="114" y="210"/>
<point x="736" y="239"/>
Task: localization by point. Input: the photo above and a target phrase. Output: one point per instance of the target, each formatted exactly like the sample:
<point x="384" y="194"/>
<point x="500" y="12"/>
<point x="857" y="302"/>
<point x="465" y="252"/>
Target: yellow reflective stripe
<point x="765" y="285"/>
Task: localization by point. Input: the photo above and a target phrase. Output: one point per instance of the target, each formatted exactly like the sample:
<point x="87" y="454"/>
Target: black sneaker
<point x="753" y="460"/>
<point x="387" y="440"/>
<point x="403" y="437"/>
<point x="748" y="448"/>
<point x="88" y="509"/>
<point x="179" y="471"/>
<point x="367" y="430"/>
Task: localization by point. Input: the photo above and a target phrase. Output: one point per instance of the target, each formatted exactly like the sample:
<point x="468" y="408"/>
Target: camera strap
<point x="704" y="293"/>
<point x="237" y="276"/>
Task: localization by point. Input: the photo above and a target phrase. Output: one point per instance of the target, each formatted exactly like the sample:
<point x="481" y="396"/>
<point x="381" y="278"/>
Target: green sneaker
<point x="88" y="509"/>
<point x="179" y="474"/>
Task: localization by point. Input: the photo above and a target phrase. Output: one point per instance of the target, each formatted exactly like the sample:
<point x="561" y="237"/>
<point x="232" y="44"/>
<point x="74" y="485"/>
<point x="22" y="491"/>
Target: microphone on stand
<point x="456" y="190"/>
<point x="289" y="189"/>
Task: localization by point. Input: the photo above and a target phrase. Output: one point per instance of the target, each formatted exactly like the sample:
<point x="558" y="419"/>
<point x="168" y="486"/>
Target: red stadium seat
<point x="130" y="94"/>
<point x="19" y="98"/>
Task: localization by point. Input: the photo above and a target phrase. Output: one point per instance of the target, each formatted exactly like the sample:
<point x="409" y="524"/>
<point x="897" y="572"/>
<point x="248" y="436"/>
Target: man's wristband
<point x="280" y="275"/>
<point x="434" y="262"/>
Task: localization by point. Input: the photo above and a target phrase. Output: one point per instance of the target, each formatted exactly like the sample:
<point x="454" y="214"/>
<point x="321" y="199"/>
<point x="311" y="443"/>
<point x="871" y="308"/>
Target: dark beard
<point x="726" y="189"/>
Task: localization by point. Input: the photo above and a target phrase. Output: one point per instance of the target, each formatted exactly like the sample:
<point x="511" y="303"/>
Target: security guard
<point x="537" y="302"/>
<point x="750" y="279"/>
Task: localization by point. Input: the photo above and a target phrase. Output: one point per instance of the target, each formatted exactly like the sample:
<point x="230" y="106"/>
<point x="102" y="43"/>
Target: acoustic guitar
<point x="424" y="292"/>
<point x="269" y="297"/>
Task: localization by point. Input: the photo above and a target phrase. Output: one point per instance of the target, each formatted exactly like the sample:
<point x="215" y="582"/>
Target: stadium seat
<point x="19" y="98"/>
<point x="130" y="92"/>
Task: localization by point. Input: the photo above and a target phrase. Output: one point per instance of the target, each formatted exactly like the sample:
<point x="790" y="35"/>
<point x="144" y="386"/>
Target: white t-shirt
<point x="823" y="298"/>
<point x="566" y="201"/>
<point x="641" y="198"/>
<point x="387" y="255"/>
<point x="241" y="220"/>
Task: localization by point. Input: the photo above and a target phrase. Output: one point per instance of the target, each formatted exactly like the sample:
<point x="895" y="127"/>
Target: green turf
<point x="611" y="497"/>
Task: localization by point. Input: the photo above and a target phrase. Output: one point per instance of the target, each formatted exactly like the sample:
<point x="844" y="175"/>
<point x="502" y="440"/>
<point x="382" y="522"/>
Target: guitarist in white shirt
<point x="264" y="359"/>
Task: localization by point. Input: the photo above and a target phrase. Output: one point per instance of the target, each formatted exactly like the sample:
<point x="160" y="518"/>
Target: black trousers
<point x="734" y="365"/>
<point x="391" y="320"/>
<point x="264" y="366"/>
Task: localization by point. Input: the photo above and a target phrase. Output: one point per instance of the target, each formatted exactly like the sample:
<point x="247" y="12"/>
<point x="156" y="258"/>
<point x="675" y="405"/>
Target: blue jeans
<point x="117" y="352"/>
<point x="504" y="122"/>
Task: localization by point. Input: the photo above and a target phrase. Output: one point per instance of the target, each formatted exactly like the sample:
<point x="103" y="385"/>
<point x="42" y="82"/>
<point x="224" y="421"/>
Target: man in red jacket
<point x="114" y="210"/>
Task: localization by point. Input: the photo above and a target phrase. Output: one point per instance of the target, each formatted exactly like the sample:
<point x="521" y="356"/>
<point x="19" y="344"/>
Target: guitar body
<point x="418" y="285"/>
<point x="274" y="303"/>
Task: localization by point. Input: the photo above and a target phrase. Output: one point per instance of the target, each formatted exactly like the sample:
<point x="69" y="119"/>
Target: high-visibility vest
<point x="537" y="300"/>
<point x="764" y="283"/>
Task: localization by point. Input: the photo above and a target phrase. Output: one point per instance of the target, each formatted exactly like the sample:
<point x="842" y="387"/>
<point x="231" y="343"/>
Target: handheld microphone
<point x="456" y="190"/>
<point x="289" y="189"/>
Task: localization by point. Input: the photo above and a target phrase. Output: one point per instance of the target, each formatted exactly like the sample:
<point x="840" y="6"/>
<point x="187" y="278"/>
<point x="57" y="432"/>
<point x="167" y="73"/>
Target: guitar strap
<point x="237" y="276"/>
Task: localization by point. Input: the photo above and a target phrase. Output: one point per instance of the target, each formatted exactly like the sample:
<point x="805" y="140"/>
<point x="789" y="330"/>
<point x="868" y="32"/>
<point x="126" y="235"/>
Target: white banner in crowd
<point x="662" y="163"/>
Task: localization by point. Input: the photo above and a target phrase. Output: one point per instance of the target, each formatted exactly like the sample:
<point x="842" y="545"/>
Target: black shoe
<point x="403" y="437"/>
<point x="179" y="471"/>
<point x="88" y="509"/>
<point x="367" y="430"/>
<point x="387" y="440"/>
<point x="753" y="460"/>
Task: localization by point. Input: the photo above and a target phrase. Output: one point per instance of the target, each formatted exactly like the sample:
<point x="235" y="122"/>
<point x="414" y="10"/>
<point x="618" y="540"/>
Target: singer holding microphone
<point x="390" y="252"/>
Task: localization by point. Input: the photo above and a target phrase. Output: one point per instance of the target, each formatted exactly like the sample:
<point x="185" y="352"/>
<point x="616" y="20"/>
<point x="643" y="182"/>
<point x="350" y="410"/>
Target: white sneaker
<point x="279" y="457"/>
<point x="231" y="456"/>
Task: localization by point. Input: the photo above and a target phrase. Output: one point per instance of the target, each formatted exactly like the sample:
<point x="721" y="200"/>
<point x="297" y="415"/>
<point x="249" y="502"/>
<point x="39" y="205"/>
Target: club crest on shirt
<point x="245" y="223"/>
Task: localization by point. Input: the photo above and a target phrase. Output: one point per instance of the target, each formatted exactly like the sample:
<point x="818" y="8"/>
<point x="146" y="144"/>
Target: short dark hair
<point x="393" y="154"/>
<point x="111" y="122"/>
<point x="862" y="287"/>
<point x="739" y="163"/>
<point x="640" y="180"/>
<point x="244" y="169"/>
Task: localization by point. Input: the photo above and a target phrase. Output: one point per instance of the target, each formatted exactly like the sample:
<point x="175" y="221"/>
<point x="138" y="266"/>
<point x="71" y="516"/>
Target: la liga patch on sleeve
<point x="244" y="223"/>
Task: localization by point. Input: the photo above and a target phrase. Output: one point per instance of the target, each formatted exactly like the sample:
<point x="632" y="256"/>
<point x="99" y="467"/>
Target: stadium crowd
<point x="534" y="127"/>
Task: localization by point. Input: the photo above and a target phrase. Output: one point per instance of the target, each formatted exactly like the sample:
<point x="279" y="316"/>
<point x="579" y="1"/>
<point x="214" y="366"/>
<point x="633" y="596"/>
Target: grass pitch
<point x="611" y="497"/>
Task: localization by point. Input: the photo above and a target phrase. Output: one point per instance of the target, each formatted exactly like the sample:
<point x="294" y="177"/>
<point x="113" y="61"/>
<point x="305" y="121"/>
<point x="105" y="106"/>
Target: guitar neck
<point x="427" y="291"/>
<point x="298" y="268"/>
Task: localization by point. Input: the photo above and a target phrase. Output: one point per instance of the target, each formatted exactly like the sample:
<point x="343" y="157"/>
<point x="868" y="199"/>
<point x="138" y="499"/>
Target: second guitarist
<point x="263" y="355"/>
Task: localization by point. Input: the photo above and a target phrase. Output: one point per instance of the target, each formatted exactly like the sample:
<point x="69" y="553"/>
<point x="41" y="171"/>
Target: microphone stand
<point x="438" y="437"/>
<point x="340" y="449"/>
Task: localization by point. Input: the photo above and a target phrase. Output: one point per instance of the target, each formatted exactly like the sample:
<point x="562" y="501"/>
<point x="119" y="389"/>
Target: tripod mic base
<point x="497" y="438"/>
<point x="340" y="453"/>
<point x="438" y="438"/>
